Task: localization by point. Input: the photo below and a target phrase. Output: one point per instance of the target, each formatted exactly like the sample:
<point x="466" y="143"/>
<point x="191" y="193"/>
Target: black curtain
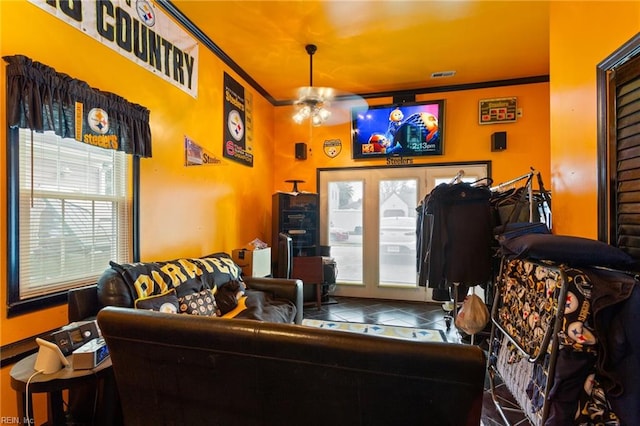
<point x="41" y="99"/>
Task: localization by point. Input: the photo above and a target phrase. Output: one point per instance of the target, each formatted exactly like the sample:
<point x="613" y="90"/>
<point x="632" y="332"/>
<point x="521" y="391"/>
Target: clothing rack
<point x="458" y="177"/>
<point x="454" y="239"/>
<point x="503" y="185"/>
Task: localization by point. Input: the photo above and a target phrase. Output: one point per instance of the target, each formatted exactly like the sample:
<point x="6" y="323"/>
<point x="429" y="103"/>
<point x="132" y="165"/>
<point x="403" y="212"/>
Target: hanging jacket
<point x="456" y="247"/>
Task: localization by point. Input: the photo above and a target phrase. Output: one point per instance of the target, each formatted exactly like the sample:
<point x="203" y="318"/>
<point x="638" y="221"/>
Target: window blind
<point x="74" y="212"/>
<point x="627" y="152"/>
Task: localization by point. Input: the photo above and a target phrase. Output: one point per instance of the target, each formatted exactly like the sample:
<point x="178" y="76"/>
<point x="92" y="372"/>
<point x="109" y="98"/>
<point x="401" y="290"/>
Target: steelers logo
<point x="98" y="121"/>
<point x="580" y="334"/>
<point x="235" y="125"/>
<point x="145" y="12"/>
<point x="332" y="147"/>
<point x="571" y="303"/>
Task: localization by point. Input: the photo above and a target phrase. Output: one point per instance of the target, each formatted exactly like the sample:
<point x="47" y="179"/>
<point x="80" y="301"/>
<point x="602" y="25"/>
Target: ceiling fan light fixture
<point x="312" y="101"/>
<point x="313" y="110"/>
<point x="323" y="113"/>
<point x="303" y="112"/>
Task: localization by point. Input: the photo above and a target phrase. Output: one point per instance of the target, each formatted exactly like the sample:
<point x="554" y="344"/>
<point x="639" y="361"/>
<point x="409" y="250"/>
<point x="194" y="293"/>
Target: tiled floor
<point x="385" y="312"/>
<point x="407" y="314"/>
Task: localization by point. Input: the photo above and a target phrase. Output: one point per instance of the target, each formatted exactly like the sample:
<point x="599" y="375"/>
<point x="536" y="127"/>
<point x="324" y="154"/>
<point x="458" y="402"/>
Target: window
<point x="72" y="216"/>
<point x="68" y="210"/>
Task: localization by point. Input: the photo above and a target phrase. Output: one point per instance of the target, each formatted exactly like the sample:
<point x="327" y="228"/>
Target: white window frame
<point x="74" y="225"/>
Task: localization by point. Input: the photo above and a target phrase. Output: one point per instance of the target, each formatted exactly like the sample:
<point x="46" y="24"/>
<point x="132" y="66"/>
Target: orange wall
<point x="464" y="138"/>
<point x="193" y="211"/>
<point x="581" y="36"/>
<point x="184" y="211"/>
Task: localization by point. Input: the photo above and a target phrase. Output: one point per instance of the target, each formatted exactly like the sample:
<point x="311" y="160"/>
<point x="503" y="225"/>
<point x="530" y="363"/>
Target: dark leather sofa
<point x="111" y="290"/>
<point x="183" y="369"/>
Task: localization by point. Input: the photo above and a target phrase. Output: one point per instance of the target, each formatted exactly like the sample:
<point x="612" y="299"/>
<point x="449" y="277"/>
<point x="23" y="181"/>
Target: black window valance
<point x="41" y="99"/>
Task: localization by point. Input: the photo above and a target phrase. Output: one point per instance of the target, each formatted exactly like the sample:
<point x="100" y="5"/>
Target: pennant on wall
<point x="139" y="31"/>
<point x="234" y="146"/>
<point x="195" y="155"/>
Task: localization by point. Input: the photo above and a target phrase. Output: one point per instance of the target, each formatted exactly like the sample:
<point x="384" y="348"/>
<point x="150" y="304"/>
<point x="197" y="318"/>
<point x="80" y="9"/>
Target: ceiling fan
<point x="324" y="105"/>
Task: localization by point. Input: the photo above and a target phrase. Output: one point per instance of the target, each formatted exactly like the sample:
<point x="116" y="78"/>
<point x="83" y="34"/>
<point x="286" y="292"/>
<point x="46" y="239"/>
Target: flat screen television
<point x="406" y="130"/>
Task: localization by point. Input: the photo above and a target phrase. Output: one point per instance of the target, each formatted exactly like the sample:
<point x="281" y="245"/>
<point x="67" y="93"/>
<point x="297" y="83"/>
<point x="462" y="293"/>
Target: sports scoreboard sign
<point x="500" y="110"/>
<point x="137" y="30"/>
<point x="236" y="114"/>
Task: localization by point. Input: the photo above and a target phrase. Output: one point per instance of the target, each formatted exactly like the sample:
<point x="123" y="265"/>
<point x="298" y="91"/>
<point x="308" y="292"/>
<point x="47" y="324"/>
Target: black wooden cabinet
<point x="297" y="215"/>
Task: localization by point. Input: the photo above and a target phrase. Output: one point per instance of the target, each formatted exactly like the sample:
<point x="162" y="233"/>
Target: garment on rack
<point x="616" y="312"/>
<point x="517" y="204"/>
<point x="456" y="247"/>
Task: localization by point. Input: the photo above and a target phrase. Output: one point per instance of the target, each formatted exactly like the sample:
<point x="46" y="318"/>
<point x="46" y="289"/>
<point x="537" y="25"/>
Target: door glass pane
<point x="397" y="232"/>
<point x="345" y="229"/>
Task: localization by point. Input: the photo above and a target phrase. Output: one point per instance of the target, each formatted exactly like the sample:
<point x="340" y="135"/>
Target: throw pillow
<point x="201" y="303"/>
<point x="165" y="302"/>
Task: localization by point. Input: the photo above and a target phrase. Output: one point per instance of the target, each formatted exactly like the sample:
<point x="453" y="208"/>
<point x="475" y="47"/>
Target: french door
<point x="368" y="219"/>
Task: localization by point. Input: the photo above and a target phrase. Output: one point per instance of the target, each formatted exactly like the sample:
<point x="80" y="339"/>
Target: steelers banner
<point x="332" y="147"/>
<point x="137" y="30"/>
<point x="234" y="146"/>
<point x="195" y="155"/>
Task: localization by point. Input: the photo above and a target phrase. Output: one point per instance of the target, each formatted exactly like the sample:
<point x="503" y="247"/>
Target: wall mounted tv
<point x="405" y="130"/>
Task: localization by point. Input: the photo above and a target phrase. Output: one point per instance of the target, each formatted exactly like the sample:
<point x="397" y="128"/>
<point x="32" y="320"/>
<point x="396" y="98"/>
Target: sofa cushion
<point x="201" y="303"/>
<point x="186" y="276"/>
<point x="165" y="302"/>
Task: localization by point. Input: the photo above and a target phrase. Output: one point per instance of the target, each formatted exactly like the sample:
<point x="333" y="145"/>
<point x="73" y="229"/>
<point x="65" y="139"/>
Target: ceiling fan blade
<point x="316" y="93"/>
<point x="343" y="106"/>
<point x="340" y="104"/>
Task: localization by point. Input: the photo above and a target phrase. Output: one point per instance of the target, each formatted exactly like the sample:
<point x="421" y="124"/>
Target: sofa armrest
<point x="113" y="291"/>
<point x="290" y="289"/>
<point x="82" y="303"/>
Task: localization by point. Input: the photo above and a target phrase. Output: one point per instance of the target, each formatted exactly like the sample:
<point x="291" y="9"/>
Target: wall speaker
<point x="301" y="151"/>
<point x="498" y="141"/>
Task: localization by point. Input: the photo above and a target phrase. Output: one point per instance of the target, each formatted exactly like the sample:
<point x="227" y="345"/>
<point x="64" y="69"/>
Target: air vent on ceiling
<point x="443" y="74"/>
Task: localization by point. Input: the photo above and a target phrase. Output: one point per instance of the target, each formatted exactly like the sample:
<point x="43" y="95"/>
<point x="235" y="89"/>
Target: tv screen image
<point x="407" y="130"/>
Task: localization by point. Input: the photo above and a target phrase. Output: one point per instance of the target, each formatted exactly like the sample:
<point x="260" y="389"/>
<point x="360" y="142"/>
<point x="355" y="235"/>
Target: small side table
<point x="310" y="269"/>
<point x="52" y="384"/>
